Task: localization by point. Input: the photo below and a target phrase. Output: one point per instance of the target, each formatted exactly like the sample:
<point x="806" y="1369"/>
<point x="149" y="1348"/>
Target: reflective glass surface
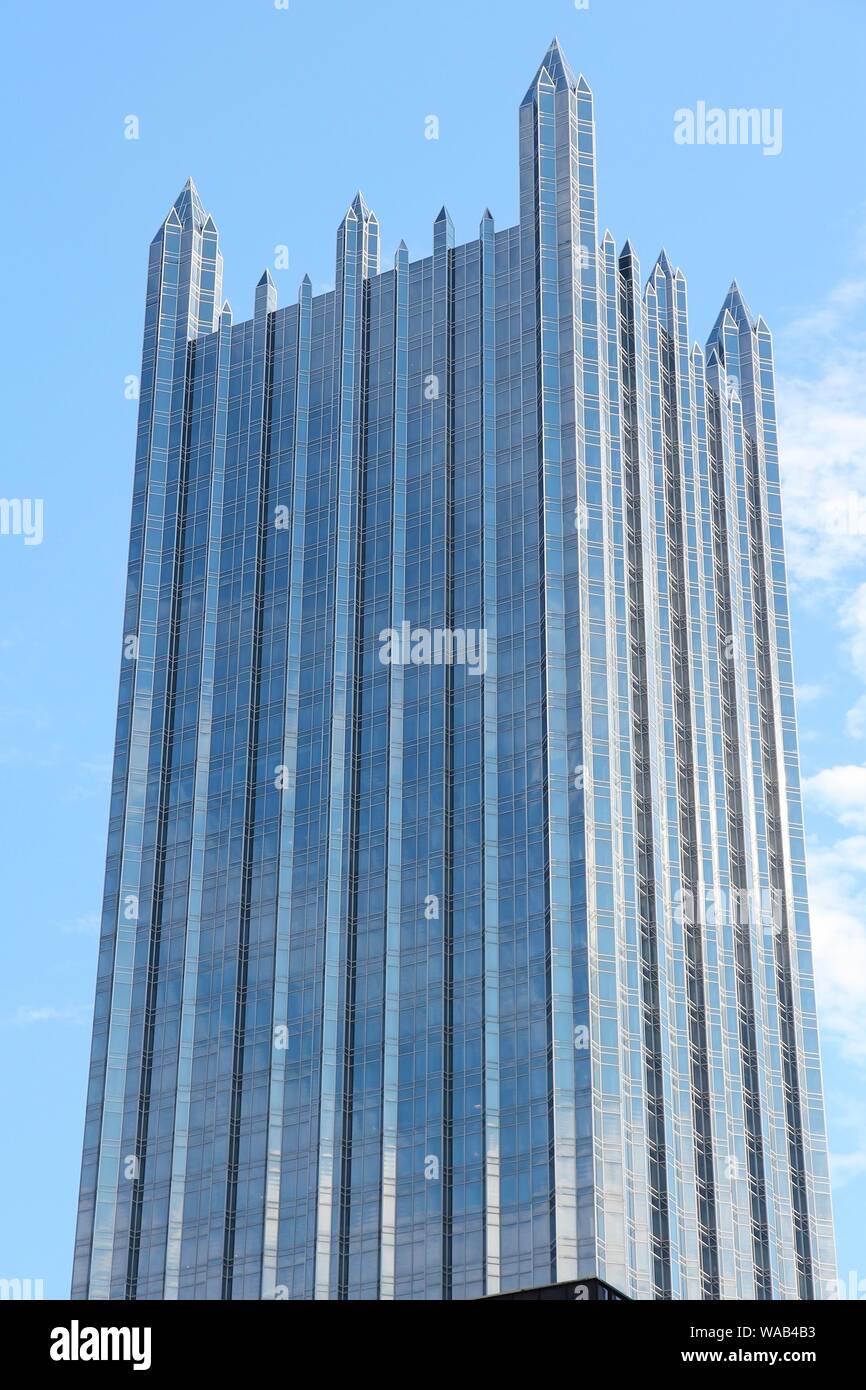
<point x="455" y="935"/>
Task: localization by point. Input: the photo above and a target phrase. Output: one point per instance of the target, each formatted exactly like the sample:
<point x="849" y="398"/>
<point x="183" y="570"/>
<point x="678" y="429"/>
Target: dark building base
<point x="572" y="1291"/>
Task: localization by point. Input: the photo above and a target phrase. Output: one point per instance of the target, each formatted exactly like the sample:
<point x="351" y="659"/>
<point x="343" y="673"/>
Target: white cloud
<point x="832" y="315"/>
<point x="848" y="1114"/>
<point x="822" y="440"/>
<point x="855" y="719"/>
<point x="841" y="792"/>
<point x="48" y="1013"/>
<point x="88" y="925"/>
<point x="837" y="892"/>
<point x="853" y="622"/>
<point x="821" y="400"/>
<point x="808" y="694"/>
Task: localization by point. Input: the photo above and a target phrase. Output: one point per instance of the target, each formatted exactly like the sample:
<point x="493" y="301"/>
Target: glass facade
<point x="455" y="937"/>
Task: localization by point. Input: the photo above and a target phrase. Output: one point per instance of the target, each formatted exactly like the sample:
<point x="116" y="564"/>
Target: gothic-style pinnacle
<point x="663" y="264"/>
<point x="557" y="67"/>
<point x="734" y="312"/>
<point x="189" y="207"/>
<point x="359" y="208"/>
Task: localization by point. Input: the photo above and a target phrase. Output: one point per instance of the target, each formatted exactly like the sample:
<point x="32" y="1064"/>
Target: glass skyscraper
<point x="455" y="937"/>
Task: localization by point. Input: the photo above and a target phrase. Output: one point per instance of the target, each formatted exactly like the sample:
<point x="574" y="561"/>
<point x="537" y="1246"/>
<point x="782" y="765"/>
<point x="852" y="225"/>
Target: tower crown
<point x="556" y="66"/>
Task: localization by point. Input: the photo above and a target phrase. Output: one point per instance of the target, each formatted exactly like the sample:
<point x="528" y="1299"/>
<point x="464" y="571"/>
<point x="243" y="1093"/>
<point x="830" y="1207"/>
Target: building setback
<point x="442" y="978"/>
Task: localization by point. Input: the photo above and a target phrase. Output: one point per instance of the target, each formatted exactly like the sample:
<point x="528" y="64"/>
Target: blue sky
<point x="280" y="115"/>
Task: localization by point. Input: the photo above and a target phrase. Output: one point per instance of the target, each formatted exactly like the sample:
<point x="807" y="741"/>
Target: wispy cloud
<point x="853" y="624"/>
<point x="831" y="316"/>
<point x="91" y="779"/>
<point x="822" y="436"/>
<point x="822" y="433"/>
<point x="837" y="891"/>
<point x="87" y="925"/>
<point x="808" y="694"/>
<point x="855" y="719"/>
<point x="841" y="792"/>
<point x="48" y="1013"/>
<point x="848" y="1161"/>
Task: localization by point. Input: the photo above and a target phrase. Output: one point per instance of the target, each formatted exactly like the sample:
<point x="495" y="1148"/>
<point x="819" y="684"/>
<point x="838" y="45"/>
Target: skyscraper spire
<point x="443" y="230"/>
<point x="189" y="207"/>
<point x="735" y="305"/>
<point x="359" y="216"/>
<point x="556" y="66"/>
<point x="266" y="294"/>
<point x="190" y="233"/>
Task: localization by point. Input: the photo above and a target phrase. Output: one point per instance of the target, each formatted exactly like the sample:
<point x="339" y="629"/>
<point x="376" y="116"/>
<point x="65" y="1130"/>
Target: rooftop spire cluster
<point x="554" y="71"/>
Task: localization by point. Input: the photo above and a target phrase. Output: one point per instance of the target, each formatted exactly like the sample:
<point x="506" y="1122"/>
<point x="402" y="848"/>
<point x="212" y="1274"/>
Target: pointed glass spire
<point x="443" y="230"/>
<point x="630" y="267"/>
<point x="734" y="313"/>
<point x="737" y="301"/>
<point x="358" y="208"/>
<point x="266" y="295"/>
<point x="187" y="211"/>
<point x="189" y="207"/>
<point x="724" y="325"/>
<point x="360" y="215"/>
<point x="663" y="264"/>
<point x="558" y="69"/>
<point x="736" y="307"/>
<point x="171" y="219"/>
